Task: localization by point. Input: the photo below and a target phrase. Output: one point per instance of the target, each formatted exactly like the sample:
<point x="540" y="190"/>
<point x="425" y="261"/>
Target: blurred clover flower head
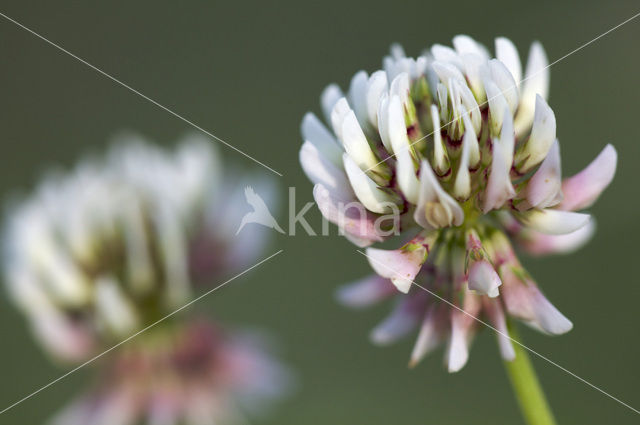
<point x="119" y="242"/>
<point x="467" y="152"/>
<point x="195" y="374"/>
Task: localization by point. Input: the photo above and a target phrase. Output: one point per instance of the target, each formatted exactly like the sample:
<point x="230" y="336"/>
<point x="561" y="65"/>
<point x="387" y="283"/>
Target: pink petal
<point x="163" y="408"/>
<point x="400" y="265"/>
<point x="365" y="292"/>
<point x="496" y="317"/>
<point x="112" y="408"/>
<point x="537" y="243"/>
<point x="402" y="320"/>
<point x="354" y="221"/>
<point x="582" y="190"/>
<point x="67" y="340"/>
<point x="524" y="300"/>
<point x="430" y="335"/>
<point x="357" y="241"/>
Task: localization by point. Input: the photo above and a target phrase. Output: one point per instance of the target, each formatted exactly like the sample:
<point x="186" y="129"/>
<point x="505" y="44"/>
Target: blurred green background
<point x="247" y="72"/>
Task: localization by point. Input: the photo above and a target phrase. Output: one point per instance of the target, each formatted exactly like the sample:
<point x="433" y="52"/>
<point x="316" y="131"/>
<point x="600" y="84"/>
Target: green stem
<point x="531" y="398"/>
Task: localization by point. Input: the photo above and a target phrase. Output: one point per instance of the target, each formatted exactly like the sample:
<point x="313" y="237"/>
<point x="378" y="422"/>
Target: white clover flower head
<point x="466" y="149"/>
<point x="96" y="253"/>
<point x="195" y="374"/>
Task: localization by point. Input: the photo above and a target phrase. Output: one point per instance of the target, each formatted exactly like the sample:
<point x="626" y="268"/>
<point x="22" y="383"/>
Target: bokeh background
<point x="247" y="72"/>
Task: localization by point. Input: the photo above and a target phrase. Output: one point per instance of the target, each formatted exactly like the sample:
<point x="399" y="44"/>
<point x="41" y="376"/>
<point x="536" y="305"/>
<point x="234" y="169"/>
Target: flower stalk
<point x="526" y="386"/>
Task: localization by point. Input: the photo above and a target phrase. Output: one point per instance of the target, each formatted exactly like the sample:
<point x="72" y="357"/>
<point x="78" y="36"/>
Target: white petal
<point x="507" y="53"/>
<point x="356" y="144"/>
<point x="474" y="148"/>
<point x="320" y="170"/>
<point x="507" y="139"/>
<point x="315" y="132"/>
<point x="397" y="64"/>
<point x="536" y="82"/>
<point x="446" y="71"/>
<point x="543" y="133"/>
<point x="358" y="98"/>
<point x="471" y="106"/>
<point x="113" y="307"/>
<point x="365" y="292"/>
<point x="339" y="112"/>
<point x="440" y="156"/>
<point x="499" y="188"/>
<point x="405" y="169"/>
<point x="400" y="87"/>
<point x="465" y="44"/>
<point x="582" y="190"/>
<point x="443" y="101"/>
<point x="446" y="55"/>
<point x="26" y="290"/>
<point x="483" y="279"/>
<point x="455" y="124"/>
<point x="463" y="323"/>
<point x="376" y="86"/>
<point x="544" y="186"/>
<point x="553" y="222"/>
<point x="416" y="67"/>
<point x="397" y="127"/>
<point x="406" y="176"/>
<point x="505" y="82"/>
<point x="549" y="317"/>
<point x="473" y="65"/>
<point x="328" y="99"/>
<point x="497" y="106"/>
<point x="435" y="208"/>
<point x="389" y="65"/>
<point x="397" y="51"/>
<point x="383" y="122"/>
<point x="458" y="349"/>
<point x="462" y="184"/>
<point x="65" y="281"/>
<point x="366" y="190"/>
